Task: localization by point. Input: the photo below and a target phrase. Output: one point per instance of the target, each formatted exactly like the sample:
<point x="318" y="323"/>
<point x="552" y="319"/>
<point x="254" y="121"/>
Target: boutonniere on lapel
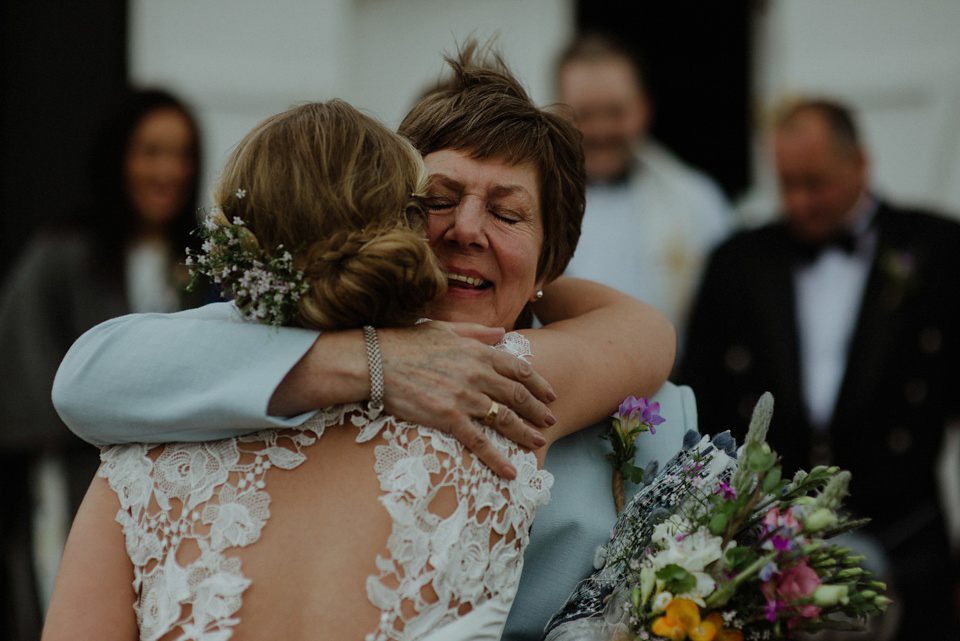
<point x="634" y="417"/>
<point x="899" y="273"/>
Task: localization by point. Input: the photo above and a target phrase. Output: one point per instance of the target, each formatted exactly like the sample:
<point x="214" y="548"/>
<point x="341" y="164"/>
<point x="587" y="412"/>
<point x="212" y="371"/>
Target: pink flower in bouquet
<point x="774" y="519"/>
<point x="783" y="528"/>
<point x="793" y="584"/>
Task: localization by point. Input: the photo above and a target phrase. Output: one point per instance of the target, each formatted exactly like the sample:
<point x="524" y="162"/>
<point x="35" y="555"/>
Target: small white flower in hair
<point x="265" y="287"/>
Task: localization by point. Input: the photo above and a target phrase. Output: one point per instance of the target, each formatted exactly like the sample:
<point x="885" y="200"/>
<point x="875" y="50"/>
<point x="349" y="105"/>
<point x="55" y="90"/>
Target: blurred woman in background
<point x="122" y="252"/>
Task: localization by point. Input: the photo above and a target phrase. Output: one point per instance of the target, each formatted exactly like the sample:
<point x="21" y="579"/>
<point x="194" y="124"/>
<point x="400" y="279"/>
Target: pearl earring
<point x="539" y="294"/>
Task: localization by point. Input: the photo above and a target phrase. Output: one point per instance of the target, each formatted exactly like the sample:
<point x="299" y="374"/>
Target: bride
<point x="404" y="534"/>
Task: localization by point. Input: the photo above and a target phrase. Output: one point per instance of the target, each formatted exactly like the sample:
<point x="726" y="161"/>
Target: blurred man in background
<point x="846" y="309"/>
<point x="650" y="219"/>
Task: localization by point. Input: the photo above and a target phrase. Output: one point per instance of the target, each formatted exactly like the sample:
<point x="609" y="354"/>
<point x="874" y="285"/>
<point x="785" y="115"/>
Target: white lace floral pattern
<point x="215" y="495"/>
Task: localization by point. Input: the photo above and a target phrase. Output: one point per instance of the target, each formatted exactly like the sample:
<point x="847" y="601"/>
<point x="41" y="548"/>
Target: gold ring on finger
<point x="491" y="416"/>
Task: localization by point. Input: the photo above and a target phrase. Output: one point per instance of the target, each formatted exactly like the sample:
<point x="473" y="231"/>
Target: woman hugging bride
<point x="356" y="524"/>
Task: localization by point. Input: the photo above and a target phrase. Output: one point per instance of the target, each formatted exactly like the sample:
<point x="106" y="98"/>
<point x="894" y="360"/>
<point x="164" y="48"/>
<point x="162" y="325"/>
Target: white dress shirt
<point x="829" y="292"/>
<point x="148" y="279"/>
<point x="649" y="236"/>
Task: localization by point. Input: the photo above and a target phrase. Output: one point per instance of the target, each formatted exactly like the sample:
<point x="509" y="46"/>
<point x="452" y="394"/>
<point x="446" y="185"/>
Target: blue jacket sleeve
<point x="195" y="375"/>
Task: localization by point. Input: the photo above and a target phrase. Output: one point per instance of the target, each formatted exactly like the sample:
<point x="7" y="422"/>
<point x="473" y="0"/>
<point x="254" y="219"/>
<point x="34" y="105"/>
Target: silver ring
<point x="491" y="417"/>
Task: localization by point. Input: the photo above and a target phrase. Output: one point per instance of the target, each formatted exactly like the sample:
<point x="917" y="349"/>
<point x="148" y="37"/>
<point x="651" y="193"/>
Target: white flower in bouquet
<point x="693" y="552"/>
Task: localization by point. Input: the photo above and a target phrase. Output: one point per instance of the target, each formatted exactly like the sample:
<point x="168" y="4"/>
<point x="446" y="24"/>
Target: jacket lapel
<point x="777" y="310"/>
<point x="880" y="317"/>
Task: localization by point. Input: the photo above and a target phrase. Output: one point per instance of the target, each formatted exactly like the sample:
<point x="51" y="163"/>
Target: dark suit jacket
<point x="901" y="386"/>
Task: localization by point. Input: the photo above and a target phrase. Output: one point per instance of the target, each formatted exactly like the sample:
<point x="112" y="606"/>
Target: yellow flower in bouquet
<point x="682" y="621"/>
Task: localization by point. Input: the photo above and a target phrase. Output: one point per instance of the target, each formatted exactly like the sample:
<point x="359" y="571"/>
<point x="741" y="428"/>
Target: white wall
<point x="239" y="61"/>
<point x="897" y="63"/>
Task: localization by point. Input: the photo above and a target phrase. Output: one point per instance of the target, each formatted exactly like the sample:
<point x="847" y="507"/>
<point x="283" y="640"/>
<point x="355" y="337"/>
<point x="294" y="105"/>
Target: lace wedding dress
<point x="184" y="506"/>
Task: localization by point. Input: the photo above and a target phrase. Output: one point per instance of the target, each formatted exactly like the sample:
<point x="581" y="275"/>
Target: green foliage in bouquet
<point x="746" y="554"/>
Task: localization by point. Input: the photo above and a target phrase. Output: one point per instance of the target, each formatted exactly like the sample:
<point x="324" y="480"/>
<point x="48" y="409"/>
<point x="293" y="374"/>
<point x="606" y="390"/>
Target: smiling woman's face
<point x="486" y="228"/>
<point x="159" y="165"/>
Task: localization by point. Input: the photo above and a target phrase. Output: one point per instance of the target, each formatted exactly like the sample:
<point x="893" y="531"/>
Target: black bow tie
<point x="807" y="252"/>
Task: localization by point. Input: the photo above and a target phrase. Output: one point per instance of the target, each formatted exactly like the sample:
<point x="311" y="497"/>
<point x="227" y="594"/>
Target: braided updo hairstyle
<point x="339" y="191"/>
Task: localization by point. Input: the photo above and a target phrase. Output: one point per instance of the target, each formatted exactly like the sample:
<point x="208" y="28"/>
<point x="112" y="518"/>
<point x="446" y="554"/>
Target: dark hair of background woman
<point x="110" y="218"/>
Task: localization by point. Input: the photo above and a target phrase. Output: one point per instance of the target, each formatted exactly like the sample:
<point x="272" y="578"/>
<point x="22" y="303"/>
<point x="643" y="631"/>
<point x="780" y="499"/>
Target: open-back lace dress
<point x="184" y="505"/>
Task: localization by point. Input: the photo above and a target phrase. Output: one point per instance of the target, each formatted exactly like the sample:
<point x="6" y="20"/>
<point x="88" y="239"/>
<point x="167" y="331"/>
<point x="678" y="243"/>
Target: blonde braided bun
<point x="379" y="278"/>
<point x="339" y="191"/>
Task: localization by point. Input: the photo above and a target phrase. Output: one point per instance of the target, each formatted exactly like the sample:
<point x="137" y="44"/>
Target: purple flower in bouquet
<point x="636" y="415"/>
<point x="781" y="542"/>
<point x="726" y="491"/>
<point x="782" y="529"/>
<point x="771" y="609"/>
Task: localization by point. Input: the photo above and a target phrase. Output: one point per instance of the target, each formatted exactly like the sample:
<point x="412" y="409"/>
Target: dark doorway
<point x="697" y="57"/>
<point x="62" y="63"/>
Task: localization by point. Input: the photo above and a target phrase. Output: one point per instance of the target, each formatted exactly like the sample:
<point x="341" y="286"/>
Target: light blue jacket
<point x="114" y="387"/>
<point x="567" y="531"/>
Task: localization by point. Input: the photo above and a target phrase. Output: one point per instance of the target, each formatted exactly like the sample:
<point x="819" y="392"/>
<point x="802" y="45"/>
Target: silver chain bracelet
<point x="375" y="362"/>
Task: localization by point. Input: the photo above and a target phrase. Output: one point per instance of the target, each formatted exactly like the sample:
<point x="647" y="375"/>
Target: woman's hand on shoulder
<point x="445" y="375"/>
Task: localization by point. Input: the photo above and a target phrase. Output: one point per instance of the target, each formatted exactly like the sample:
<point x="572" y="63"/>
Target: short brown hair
<point x="339" y="191"/>
<point x="484" y="111"/>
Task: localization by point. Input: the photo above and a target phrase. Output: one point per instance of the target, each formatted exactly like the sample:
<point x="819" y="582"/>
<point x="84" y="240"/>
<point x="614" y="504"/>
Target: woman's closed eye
<point x="444" y="204"/>
<point x="506" y="216"/>
<point x="439" y="205"/>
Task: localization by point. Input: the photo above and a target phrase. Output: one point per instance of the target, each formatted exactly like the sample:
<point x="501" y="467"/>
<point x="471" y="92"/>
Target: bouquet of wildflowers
<point x="720" y="547"/>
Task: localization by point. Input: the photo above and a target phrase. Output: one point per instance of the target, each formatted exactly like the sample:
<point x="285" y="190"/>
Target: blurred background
<point x="715" y="70"/>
